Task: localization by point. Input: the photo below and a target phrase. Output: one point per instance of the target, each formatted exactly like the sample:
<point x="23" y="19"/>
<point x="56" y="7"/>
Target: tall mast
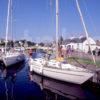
<point x="85" y="29"/>
<point x="7" y="24"/>
<point x="57" y="26"/>
<point x="11" y="31"/>
<point x="11" y="23"/>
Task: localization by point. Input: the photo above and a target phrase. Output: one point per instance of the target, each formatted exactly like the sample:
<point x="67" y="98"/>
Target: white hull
<point x="12" y="58"/>
<point x="67" y="72"/>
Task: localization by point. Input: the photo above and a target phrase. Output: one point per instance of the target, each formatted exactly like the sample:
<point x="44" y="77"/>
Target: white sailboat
<point x="10" y="58"/>
<point x="59" y="70"/>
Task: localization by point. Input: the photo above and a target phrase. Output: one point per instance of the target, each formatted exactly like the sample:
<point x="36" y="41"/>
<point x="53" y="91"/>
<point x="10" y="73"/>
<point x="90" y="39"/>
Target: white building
<point x="98" y="44"/>
<point x="81" y="44"/>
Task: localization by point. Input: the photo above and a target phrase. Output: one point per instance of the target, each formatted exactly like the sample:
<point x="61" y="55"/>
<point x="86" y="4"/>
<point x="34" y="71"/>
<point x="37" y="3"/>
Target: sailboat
<point x="58" y="69"/>
<point x="10" y="57"/>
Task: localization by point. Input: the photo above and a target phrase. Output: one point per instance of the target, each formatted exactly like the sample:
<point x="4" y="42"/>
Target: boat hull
<point x="76" y="77"/>
<point x="14" y="59"/>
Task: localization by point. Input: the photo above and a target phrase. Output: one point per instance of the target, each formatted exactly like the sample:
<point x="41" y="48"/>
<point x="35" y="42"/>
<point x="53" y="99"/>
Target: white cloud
<point x="26" y="35"/>
<point x="43" y="39"/>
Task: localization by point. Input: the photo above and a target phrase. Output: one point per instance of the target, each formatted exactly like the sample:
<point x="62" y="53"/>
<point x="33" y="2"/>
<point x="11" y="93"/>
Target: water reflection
<point x="15" y="84"/>
<point x="56" y="90"/>
<point x="10" y="72"/>
<point x="8" y="77"/>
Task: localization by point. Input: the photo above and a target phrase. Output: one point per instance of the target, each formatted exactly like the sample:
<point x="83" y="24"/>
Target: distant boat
<point x="58" y="69"/>
<point x="10" y="57"/>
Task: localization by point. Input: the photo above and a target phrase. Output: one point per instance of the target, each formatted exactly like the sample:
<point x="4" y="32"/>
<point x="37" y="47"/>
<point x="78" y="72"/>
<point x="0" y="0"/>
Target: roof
<point x="98" y="42"/>
<point x="76" y="40"/>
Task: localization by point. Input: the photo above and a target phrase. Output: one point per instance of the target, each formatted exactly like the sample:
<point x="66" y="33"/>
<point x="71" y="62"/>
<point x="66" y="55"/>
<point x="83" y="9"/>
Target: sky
<point x="35" y="20"/>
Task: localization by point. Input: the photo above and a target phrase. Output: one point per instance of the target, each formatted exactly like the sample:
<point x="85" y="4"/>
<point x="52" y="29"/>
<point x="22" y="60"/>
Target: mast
<point x="11" y="23"/>
<point x="11" y="16"/>
<point x="7" y="25"/>
<point x="57" y="26"/>
<point x="85" y="29"/>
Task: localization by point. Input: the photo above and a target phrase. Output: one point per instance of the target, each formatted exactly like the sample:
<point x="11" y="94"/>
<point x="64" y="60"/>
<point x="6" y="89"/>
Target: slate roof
<point x="76" y="40"/>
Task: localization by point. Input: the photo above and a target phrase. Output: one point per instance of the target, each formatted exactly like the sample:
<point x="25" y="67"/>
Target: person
<point x="60" y="59"/>
<point x="98" y="77"/>
<point x="94" y="53"/>
<point x="30" y="52"/>
<point x="68" y="51"/>
<point x="49" y="52"/>
<point x="64" y="53"/>
<point x="34" y="53"/>
<point x="59" y="50"/>
<point x="99" y="52"/>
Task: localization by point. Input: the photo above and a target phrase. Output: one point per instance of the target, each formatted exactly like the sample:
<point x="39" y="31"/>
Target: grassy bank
<point x="84" y="61"/>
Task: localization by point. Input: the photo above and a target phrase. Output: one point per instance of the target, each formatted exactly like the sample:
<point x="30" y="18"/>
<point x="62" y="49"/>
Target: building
<point x="81" y="44"/>
<point x="98" y="44"/>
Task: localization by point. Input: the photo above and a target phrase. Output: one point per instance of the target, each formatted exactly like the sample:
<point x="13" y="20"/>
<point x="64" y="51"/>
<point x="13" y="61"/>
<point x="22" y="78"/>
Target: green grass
<point x="85" y="61"/>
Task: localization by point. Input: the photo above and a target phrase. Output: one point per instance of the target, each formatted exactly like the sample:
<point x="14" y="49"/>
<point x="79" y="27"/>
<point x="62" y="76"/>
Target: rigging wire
<point x="50" y="3"/>
<point x="85" y="29"/>
<point x="90" y="17"/>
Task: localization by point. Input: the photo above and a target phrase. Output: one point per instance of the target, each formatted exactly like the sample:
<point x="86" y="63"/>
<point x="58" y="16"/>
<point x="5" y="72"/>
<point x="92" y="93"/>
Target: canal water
<point x="16" y="83"/>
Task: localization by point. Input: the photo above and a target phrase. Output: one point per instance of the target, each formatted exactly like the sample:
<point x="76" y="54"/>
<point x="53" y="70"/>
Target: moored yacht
<point x="9" y="57"/>
<point x="12" y="58"/>
<point x="57" y="68"/>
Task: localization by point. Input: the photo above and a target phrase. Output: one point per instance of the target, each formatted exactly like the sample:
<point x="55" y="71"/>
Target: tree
<point x="61" y="40"/>
<point x="41" y="44"/>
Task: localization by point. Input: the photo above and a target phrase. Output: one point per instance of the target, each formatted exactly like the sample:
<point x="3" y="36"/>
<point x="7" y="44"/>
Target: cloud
<point x="96" y="37"/>
<point x="43" y="39"/>
<point x="26" y="35"/>
<point x="63" y="30"/>
<point x="30" y="37"/>
<point x="65" y="33"/>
